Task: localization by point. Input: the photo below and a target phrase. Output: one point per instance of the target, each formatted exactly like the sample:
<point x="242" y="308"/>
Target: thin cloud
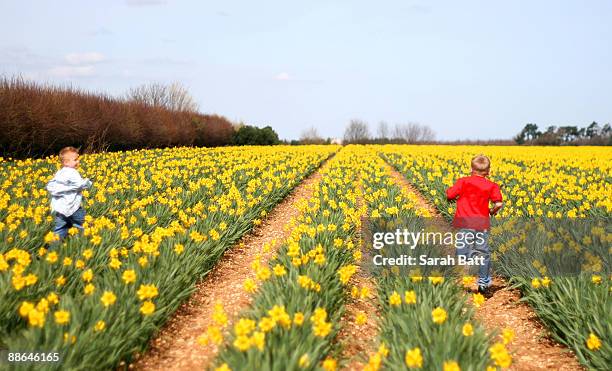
<point x="84" y="58"/>
<point x="22" y="56"/>
<point x="72" y="71"/>
<point x="145" y="2"/>
<point x="419" y="9"/>
<point x="102" y="31"/>
<point x="168" y="61"/>
<point x="283" y="76"/>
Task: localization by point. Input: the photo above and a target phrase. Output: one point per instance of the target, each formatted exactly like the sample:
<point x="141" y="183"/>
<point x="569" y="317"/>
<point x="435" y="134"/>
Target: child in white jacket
<point x="65" y="189"/>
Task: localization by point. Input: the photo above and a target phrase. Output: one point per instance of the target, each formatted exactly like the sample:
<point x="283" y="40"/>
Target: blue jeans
<point x="476" y="248"/>
<point x="63" y="223"/>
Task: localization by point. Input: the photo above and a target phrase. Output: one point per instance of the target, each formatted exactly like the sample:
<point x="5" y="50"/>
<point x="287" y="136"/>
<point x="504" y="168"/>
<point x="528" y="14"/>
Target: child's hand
<point x="495" y="208"/>
<point x="86" y="183"/>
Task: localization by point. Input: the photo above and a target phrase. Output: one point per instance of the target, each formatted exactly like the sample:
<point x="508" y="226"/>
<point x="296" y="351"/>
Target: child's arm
<point x="67" y="183"/>
<point x="496" y="207"/>
<point x="86" y="184"/>
<point x="453" y="192"/>
<point x="496" y="198"/>
<point x="57" y="188"/>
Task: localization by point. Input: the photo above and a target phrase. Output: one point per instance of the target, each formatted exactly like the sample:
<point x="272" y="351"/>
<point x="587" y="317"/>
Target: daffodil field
<point x="571" y="183"/>
<point x="425" y="322"/>
<point x="159" y="220"/>
<point x="299" y="298"/>
<point x="296" y="310"/>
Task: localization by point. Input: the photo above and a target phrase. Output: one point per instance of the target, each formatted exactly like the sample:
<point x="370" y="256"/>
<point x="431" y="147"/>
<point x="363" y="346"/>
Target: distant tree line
<point x="252" y="135"/>
<point x="358" y="131"/>
<point x="38" y="120"/>
<point x="593" y="134"/>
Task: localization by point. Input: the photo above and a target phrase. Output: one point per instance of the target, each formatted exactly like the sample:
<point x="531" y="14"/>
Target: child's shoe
<point x="485" y="291"/>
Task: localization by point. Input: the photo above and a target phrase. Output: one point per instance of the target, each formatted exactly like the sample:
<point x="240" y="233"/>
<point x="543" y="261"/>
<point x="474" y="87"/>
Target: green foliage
<point x="286" y="345"/>
<point x="252" y="135"/>
<point x="589" y="135"/>
<point x="173" y="274"/>
<point x="572" y="308"/>
<point x="405" y="325"/>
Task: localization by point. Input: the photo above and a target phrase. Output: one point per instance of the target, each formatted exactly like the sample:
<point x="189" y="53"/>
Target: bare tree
<point x="413" y="133"/>
<point x="174" y="97"/>
<point x="398" y="132"/>
<point x="383" y="130"/>
<point x="428" y="135"/>
<point x="311" y="136"/>
<point x="357" y="131"/>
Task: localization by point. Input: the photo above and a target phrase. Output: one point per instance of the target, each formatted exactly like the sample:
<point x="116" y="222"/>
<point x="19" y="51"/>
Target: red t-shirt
<point x="474" y="194"/>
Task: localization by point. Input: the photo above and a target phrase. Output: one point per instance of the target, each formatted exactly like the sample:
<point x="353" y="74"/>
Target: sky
<point x="467" y="69"/>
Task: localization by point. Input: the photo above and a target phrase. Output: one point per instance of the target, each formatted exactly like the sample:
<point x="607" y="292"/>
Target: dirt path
<point x="175" y="346"/>
<point x="358" y="339"/>
<point x="531" y="348"/>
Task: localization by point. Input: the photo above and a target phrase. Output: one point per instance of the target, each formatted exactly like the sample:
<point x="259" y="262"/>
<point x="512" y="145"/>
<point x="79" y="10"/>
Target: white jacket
<point x="65" y="189"/>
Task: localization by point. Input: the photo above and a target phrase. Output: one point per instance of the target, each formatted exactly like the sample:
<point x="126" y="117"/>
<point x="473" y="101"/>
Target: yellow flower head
<point x="223" y="367"/>
<point x="89" y="289"/>
<point x="25" y="308"/>
<point x="129" y="276"/>
<point x="438" y="315"/>
<point x="361" y="318"/>
<point x="242" y="342"/>
<point x="147" y="292"/>
<point x="179" y="248"/>
<point x="593" y="342"/>
<point x="304" y="361"/>
<point x="478" y="300"/>
<point x="329" y="364"/>
<point x="468" y="330"/>
<point x="108" y="298"/>
<point x="250" y="286"/>
<point x="451" y="366"/>
<point x="62" y="317"/>
<point x="36" y="318"/>
<point x="298" y="318"/>
<point x="395" y="299"/>
<point x="87" y="275"/>
<point x="410" y="297"/>
<point x="413" y="358"/>
<point x="468" y="280"/>
<point x="100" y="326"/>
<point x="507" y="335"/>
<point x="500" y="355"/>
<point x="258" y="340"/>
<point x="279" y="270"/>
<point x="147" y="308"/>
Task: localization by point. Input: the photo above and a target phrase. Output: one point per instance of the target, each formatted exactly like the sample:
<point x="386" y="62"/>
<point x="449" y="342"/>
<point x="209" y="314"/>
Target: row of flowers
<point x="426" y="320"/>
<point x="157" y="221"/>
<point x="552" y="237"/>
<point x="298" y="297"/>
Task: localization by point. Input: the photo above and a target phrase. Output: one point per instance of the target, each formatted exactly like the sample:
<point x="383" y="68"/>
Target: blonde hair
<point x="66" y="150"/>
<point x="481" y="164"/>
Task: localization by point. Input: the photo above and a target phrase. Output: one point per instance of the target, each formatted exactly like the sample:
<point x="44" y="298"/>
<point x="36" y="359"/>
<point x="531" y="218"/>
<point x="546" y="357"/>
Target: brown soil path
<point x="175" y="347"/>
<point x="358" y="340"/>
<point x="531" y="349"/>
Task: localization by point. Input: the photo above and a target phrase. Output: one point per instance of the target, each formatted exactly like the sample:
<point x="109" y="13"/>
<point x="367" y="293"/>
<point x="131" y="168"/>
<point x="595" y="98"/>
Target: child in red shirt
<point x="473" y="194"/>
